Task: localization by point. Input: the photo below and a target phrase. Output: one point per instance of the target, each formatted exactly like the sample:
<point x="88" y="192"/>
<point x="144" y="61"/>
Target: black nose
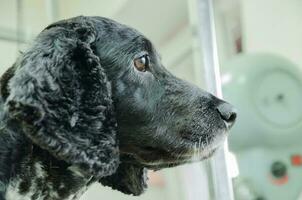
<point x="227" y="113"/>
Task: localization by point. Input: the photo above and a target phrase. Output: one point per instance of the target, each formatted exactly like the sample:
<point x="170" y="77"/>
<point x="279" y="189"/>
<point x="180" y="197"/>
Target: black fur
<point x="75" y="110"/>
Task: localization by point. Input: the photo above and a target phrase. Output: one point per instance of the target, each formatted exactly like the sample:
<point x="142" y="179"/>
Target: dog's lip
<point x="151" y="154"/>
<point x="188" y="135"/>
<point x="160" y="164"/>
<point x="149" y="151"/>
<point x="155" y="158"/>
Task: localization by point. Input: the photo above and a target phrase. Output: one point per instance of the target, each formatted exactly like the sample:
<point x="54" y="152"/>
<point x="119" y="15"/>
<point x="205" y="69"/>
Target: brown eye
<point x="142" y="63"/>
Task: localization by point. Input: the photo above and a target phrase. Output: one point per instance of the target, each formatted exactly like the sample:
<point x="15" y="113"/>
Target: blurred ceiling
<point x="158" y="20"/>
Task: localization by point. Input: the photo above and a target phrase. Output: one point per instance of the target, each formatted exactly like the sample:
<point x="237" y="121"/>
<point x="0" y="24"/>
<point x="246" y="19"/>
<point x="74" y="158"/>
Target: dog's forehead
<point x="115" y="29"/>
<point x="121" y="34"/>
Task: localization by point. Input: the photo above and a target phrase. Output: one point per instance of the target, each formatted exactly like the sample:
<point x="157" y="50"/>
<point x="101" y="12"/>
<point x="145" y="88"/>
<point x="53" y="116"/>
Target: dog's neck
<point x="28" y="172"/>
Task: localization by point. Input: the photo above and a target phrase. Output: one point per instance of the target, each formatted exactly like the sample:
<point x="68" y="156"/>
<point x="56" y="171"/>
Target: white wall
<point x="273" y="26"/>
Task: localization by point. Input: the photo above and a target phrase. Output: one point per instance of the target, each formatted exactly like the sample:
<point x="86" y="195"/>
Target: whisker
<point x="194" y="151"/>
<point x="199" y="148"/>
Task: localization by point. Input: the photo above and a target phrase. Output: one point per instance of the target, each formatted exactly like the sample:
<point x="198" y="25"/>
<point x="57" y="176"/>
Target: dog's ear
<point x="59" y="96"/>
<point x="129" y="179"/>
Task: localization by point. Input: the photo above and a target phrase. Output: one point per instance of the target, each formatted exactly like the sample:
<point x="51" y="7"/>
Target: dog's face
<point x="162" y="120"/>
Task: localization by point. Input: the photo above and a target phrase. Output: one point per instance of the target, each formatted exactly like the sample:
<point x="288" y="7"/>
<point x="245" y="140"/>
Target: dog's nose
<point x="227" y="113"/>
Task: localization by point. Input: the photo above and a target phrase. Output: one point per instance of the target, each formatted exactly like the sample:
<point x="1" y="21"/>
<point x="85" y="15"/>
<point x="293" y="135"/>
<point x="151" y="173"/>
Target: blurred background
<point x="259" y="46"/>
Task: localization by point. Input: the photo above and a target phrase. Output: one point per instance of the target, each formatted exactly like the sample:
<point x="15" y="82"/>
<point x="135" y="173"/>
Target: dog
<point x="90" y="101"/>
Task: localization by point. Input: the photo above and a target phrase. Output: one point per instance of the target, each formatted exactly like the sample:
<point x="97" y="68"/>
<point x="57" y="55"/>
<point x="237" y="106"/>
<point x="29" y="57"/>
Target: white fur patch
<point x="13" y="193"/>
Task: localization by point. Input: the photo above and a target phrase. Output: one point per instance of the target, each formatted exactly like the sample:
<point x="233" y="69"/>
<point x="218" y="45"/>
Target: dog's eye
<point x="142" y="63"/>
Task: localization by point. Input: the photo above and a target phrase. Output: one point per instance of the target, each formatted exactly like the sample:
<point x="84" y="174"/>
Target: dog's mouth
<point x="154" y="157"/>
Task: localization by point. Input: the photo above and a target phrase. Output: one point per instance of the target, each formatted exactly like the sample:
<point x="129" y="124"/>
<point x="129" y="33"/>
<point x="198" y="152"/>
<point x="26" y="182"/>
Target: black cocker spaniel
<point x="90" y="101"/>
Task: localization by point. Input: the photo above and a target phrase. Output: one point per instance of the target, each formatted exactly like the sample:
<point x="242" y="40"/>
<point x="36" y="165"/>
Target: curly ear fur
<point x="129" y="179"/>
<point x="59" y="96"/>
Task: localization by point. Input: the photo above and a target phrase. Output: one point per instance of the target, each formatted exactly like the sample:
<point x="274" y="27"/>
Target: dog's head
<point x="94" y="93"/>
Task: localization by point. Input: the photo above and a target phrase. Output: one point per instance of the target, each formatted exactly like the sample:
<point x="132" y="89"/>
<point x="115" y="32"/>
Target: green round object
<point x="267" y="92"/>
